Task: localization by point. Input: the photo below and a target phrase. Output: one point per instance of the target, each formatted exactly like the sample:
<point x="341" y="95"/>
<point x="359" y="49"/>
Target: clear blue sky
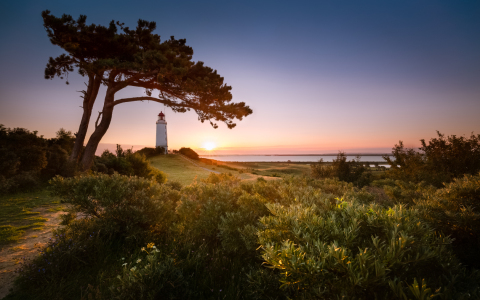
<point x="320" y="76"/>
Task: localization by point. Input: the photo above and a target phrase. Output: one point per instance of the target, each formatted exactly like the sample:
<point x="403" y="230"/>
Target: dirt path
<point x="28" y="246"/>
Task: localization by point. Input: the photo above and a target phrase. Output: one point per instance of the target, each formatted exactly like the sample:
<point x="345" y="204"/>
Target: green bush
<point x="407" y="192"/>
<point x="222" y="238"/>
<point x="150" y="152"/>
<point x="455" y="211"/>
<point x="26" y="158"/>
<point x="348" y="171"/>
<point x="452" y="210"/>
<point x="174" y="185"/>
<point x="438" y="162"/>
<point x="127" y="163"/>
<point x="347" y="250"/>
<point x="150" y="276"/>
<point x="129" y="207"/>
<point x="189" y="153"/>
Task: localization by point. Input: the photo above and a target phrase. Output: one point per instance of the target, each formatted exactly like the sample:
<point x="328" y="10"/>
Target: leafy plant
<point x="348" y="171"/>
<point x="222" y="238"/>
<point x="438" y="162"/>
<point x="27" y="159"/>
<point x="334" y="250"/>
<point x="128" y="207"/>
<point x="455" y="211"/>
<point x="127" y="163"/>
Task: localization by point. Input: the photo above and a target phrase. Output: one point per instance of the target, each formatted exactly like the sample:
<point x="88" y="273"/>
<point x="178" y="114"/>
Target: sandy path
<point x="28" y="246"/>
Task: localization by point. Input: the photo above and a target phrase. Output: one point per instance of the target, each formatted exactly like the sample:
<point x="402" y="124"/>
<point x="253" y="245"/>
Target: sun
<point x="209" y="146"/>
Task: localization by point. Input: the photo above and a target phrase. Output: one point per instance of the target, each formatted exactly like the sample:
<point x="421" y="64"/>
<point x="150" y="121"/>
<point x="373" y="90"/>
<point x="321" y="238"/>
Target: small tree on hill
<point x="189" y="153"/>
<point x="118" y="57"/>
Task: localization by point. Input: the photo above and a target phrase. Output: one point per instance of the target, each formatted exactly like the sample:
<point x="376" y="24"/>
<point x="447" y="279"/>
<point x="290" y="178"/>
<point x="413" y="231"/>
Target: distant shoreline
<point x="328" y="154"/>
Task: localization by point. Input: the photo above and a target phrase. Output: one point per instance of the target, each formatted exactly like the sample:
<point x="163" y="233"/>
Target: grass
<point x="17" y="215"/>
<point x="270" y="169"/>
<point x="179" y="169"/>
<point x="185" y="172"/>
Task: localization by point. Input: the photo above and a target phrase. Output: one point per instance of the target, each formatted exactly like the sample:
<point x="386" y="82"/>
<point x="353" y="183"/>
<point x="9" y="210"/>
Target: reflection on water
<point x="293" y="158"/>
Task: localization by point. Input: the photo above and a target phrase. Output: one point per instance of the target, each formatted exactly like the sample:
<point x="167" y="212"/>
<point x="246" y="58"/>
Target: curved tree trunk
<point x="88" y="101"/>
<point x="97" y="135"/>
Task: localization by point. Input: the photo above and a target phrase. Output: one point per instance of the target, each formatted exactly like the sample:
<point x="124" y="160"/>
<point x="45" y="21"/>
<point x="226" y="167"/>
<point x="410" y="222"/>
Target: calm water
<point x="281" y="158"/>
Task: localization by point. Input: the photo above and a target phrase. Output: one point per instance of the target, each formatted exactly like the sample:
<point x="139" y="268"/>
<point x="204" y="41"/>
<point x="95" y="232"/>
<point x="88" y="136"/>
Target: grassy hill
<point x="178" y="169"/>
<point x="185" y="172"/>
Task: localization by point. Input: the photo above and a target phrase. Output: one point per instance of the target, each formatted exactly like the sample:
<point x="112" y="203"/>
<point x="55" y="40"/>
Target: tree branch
<point x="120" y="84"/>
<point x="98" y="118"/>
<point x="133" y="99"/>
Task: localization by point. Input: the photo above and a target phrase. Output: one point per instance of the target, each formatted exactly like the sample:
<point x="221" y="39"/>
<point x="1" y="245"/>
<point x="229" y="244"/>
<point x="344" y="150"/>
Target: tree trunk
<point x="97" y="135"/>
<point x="88" y="101"/>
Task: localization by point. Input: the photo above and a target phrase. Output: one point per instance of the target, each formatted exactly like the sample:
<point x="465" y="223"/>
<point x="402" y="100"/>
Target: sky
<point x="320" y="76"/>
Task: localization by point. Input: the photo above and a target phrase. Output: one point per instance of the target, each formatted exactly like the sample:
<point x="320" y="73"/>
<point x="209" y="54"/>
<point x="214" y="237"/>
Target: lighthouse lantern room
<point x="162" y="132"/>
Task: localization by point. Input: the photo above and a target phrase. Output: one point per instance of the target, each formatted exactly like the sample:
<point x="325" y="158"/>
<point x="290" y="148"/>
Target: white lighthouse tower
<point x="162" y="132"/>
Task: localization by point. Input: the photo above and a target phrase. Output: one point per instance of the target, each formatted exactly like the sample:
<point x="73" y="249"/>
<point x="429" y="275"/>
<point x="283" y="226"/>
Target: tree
<point x="438" y="162"/>
<point x="189" y="153"/>
<point x="26" y="158"/>
<point x="118" y="57"/>
<point x="349" y="171"/>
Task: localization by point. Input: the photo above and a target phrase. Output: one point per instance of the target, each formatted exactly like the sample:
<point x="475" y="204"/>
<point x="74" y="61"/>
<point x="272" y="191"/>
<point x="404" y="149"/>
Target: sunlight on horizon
<point x="209" y="146"/>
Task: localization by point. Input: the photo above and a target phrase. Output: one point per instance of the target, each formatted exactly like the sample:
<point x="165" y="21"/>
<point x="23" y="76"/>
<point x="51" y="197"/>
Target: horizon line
<point x="326" y="154"/>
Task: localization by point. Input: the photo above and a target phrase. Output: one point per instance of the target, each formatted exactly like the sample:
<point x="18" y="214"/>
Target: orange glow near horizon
<point x="209" y="146"/>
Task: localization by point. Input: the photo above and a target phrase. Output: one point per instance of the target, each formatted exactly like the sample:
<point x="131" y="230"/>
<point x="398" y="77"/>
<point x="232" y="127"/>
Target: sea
<point x="292" y="158"/>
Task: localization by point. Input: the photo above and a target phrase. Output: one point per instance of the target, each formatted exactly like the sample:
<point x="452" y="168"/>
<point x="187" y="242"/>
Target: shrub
<point x="174" y="185"/>
<point x="348" y="171"/>
<point x="25" y="147"/>
<point x="26" y="158"/>
<point x="225" y="239"/>
<point x="439" y="161"/>
<point x="149" y="276"/>
<point x="407" y="192"/>
<point x="383" y="182"/>
<point x="455" y="211"/>
<point x="322" y="170"/>
<point x="150" y="152"/>
<point x="347" y="250"/>
<point x="130" y="207"/>
<point x="452" y="210"/>
<point x="9" y="162"/>
<point x="127" y="163"/>
<point x="58" y="163"/>
<point x="189" y="153"/>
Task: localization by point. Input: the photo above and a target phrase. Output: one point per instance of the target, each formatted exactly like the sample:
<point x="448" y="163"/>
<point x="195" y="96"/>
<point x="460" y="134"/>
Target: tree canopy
<point x="439" y="161"/>
<point x="117" y="57"/>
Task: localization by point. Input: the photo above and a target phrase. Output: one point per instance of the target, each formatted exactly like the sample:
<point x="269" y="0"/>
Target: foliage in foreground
<point x="453" y="210"/>
<point x="227" y="239"/>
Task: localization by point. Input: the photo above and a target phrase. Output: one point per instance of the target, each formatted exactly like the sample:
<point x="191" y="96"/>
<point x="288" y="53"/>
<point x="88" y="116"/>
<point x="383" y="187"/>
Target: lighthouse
<point x="162" y="132"/>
